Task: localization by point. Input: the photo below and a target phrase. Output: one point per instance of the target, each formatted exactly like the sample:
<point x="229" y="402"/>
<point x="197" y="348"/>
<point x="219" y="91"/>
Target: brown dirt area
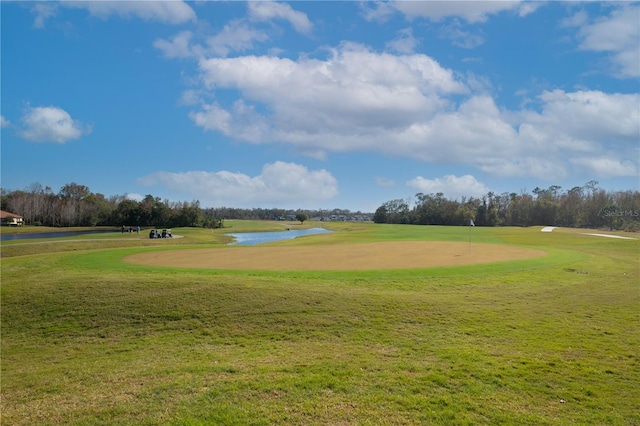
<point x="383" y="255"/>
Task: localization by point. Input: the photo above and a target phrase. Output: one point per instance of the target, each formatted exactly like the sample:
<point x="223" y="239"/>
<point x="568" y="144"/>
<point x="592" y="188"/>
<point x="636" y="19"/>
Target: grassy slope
<point x="87" y="339"/>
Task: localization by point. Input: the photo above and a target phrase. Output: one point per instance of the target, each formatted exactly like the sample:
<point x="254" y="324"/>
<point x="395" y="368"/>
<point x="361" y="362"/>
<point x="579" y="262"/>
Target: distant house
<point x="10" y="219"/>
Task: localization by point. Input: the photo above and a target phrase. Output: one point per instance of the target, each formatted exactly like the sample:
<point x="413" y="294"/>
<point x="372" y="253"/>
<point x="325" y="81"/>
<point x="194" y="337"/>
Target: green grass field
<point x="90" y="340"/>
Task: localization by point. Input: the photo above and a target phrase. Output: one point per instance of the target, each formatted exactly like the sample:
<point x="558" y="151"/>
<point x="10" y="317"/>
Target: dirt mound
<point x="383" y="255"/>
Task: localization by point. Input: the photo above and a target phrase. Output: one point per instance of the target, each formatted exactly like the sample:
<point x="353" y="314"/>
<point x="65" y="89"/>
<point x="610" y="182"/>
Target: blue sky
<point x="305" y="104"/>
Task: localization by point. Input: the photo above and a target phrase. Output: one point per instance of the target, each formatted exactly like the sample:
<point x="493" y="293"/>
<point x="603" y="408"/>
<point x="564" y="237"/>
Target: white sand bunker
<point x="610" y="236"/>
<point x="551" y="228"/>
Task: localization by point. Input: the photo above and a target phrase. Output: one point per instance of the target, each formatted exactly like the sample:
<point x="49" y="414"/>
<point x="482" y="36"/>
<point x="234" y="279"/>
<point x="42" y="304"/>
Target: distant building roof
<point x="4" y="214"/>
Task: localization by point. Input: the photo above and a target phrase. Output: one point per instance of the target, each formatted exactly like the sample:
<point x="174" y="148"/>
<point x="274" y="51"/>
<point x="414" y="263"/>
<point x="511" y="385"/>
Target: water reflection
<point x="253" y="238"/>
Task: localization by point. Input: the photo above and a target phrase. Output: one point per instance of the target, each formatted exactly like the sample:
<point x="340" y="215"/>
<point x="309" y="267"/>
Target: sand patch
<point x="610" y="236"/>
<point x="383" y="255"/>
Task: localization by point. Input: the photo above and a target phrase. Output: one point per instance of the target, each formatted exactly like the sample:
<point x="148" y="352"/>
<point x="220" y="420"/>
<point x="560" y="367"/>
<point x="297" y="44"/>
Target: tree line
<point x="586" y="206"/>
<point x="76" y="205"/>
<point x="275" y="213"/>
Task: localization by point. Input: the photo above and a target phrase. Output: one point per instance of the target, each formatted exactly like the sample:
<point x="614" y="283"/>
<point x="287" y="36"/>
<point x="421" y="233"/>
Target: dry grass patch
<point x="381" y="255"/>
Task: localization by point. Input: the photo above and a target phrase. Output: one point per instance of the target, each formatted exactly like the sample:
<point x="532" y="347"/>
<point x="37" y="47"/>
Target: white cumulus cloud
<point x="4" y="122"/>
<point x="279" y="184"/>
<point x="170" y="12"/>
<point x="405" y="42"/>
<point x="236" y="36"/>
<point x="51" y="124"/>
<point x="609" y="166"/>
<point x="240" y="122"/>
<point x="177" y="47"/>
<point x="617" y="34"/>
<point x="268" y="10"/>
<point x="407" y="105"/>
<point x="315" y="102"/>
<point x="586" y="116"/>
<point x="133" y="196"/>
<point x="453" y="187"/>
<point x="471" y="11"/>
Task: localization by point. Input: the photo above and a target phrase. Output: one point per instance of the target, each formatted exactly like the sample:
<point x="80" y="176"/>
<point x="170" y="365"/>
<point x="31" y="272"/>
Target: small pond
<point x="253" y="238"/>
<point x="10" y="237"/>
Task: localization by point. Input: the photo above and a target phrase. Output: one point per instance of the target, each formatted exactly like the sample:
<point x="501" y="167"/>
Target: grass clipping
<point x="383" y="255"/>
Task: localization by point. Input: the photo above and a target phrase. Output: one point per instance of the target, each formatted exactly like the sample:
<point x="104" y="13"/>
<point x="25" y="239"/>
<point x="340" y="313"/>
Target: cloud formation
<point x="279" y="184"/>
<point x="410" y="106"/>
<point x="470" y="11"/>
<point x="334" y="104"/>
<point x="460" y="37"/>
<point x="238" y="35"/>
<point x="405" y="42"/>
<point x="43" y="11"/>
<point x="51" y="124"/>
<point x="168" y="12"/>
<point x="453" y="187"/>
<point x="617" y="34"/>
<point x="269" y="10"/>
<point x="178" y="47"/>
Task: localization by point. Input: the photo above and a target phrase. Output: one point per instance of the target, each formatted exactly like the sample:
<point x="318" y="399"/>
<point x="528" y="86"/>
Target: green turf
<point x="88" y="339"/>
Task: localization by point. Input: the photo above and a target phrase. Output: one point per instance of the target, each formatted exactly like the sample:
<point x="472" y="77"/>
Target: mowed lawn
<point x="88" y="339"/>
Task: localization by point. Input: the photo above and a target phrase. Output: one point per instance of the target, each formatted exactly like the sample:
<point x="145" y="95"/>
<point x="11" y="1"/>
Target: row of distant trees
<point x="274" y="213"/>
<point x="585" y="206"/>
<point x="76" y="205"/>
